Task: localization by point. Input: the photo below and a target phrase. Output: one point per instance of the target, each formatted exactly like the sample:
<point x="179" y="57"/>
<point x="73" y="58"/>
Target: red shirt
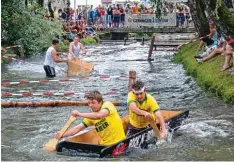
<point x="102" y="12"/>
<point x="77" y="27"/>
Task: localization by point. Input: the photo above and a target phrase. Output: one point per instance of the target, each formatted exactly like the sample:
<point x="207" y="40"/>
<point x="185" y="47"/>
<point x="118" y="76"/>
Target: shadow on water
<point x="208" y="133"/>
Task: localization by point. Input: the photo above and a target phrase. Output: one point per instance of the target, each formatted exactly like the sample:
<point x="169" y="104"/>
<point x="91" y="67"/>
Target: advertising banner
<point x="150" y="20"/>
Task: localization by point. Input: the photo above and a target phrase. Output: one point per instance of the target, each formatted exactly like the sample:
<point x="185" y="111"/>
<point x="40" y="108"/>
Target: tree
<point x="50" y="9"/>
<point x="228" y="3"/>
<point x="222" y="17"/>
<point x="19" y="24"/>
<point x="40" y="2"/>
<point x="197" y="9"/>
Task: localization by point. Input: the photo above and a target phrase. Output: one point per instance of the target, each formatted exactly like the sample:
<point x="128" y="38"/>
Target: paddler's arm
<point x="163" y="131"/>
<point x="83" y="49"/>
<point x="72" y="131"/>
<point x="54" y="55"/>
<point x="133" y="107"/>
<point x="93" y="115"/>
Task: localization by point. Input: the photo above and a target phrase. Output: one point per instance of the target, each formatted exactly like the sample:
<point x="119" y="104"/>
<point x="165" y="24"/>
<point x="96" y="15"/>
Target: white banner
<point x="150" y="20"/>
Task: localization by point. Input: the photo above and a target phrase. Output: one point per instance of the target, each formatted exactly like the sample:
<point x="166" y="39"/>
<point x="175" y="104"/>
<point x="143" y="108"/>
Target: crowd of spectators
<point x="214" y="44"/>
<point x="87" y="20"/>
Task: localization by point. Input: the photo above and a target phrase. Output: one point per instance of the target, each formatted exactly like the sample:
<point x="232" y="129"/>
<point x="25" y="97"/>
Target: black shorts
<point x="132" y="130"/>
<point x="142" y="141"/>
<point x="50" y="71"/>
<point x="207" y="40"/>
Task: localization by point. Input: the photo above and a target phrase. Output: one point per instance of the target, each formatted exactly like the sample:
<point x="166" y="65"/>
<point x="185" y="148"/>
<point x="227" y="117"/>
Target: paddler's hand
<point x="148" y="116"/>
<point x="65" y="60"/>
<point x="57" y="135"/>
<point x="73" y="58"/>
<point x="83" y="53"/>
<point x="75" y="113"/>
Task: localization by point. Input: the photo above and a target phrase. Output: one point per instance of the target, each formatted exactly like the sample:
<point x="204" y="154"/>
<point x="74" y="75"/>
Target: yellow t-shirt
<point x="110" y="128"/>
<point x="149" y="104"/>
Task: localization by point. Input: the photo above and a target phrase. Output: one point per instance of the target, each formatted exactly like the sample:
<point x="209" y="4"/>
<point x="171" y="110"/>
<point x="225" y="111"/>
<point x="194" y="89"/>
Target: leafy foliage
<point x="89" y="40"/>
<point x="158" y="6"/>
<point x="28" y="26"/>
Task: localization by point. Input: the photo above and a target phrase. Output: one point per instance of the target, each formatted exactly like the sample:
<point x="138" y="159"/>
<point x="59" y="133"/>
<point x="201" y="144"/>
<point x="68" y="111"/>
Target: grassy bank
<point x="207" y="75"/>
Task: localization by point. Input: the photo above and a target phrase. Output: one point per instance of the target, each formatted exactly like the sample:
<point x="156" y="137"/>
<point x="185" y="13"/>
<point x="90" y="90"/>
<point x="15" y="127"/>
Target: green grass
<point x="207" y="75"/>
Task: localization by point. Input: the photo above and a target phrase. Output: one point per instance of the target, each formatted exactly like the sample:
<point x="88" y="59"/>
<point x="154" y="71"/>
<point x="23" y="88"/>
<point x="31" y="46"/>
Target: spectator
<point x="135" y="9"/>
<point x="122" y="15"/>
<point x="64" y="14"/>
<point x="128" y="9"/>
<point x="56" y="15"/>
<point x="90" y="15"/>
<point x="109" y="15"/>
<point x="72" y="35"/>
<point x="229" y="50"/>
<point x="210" y="38"/>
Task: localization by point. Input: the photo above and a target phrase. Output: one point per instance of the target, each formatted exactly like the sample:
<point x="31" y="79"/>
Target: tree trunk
<point x="26" y="3"/>
<point x="224" y="22"/>
<point x="40" y="2"/>
<point x="50" y="9"/>
<point x="199" y="17"/>
<point x="68" y="10"/>
<point x="228" y="3"/>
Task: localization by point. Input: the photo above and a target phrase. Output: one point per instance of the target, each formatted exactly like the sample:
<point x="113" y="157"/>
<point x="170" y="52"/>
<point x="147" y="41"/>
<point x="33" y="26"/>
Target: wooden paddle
<point x="51" y="145"/>
<point x="155" y="128"/>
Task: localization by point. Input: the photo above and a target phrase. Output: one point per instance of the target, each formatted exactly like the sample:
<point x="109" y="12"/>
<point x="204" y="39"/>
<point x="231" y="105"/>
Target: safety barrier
<point x="52" y="103"/>
<point x="18" y="104"/>
<point x="7" y="83"/>
<point x="4" y="50"/>
<point x="29" y="94"/>
<point x="12" y="46"/>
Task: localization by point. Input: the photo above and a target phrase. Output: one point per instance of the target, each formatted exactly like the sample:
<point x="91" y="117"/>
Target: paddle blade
<point x="78" y="67"/>
<point x="51" y="145"/>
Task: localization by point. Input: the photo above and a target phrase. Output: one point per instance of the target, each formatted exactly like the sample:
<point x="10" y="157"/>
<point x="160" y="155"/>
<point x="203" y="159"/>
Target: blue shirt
<point x="72" y="35"/>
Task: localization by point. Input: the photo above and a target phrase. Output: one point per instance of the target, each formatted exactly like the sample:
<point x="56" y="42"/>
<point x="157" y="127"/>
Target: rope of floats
<point x="53" y="103"/>
<point x="12" y="46"/>
<point x="30" y="94"/>
<point x="7" y="83"/>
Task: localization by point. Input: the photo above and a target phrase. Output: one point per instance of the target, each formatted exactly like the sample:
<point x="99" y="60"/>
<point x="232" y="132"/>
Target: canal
<point x="207" y="134"/>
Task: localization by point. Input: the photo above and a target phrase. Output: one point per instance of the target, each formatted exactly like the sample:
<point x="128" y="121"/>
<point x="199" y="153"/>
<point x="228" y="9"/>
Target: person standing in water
<point x="51" y="59"/>
<point x="75" y="47"/>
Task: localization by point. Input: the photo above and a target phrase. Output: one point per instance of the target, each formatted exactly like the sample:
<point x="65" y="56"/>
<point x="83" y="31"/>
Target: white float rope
<point x="13" y="46"/>
<point x="29" y="94"/>
<point x="6" y="83"/>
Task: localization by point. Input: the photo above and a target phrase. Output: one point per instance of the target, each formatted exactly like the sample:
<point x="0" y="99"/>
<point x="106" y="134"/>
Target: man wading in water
<point x="75" y="47"/>
<point x="51" y="58"/>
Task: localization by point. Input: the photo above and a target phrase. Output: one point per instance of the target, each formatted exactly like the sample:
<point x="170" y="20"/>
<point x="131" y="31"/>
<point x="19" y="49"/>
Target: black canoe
<point x="87" y="143"/>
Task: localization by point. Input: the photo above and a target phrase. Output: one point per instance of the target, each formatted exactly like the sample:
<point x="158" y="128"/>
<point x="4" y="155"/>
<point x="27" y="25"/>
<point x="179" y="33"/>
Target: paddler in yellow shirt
<point x="142" y="108"/>
<point x="104" y="117"/>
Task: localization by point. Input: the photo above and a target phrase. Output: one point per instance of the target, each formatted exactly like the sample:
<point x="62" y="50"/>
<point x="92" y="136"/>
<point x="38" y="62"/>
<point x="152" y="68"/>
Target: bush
<point x="88" y="40"/>
<point x="35" y="32"/>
